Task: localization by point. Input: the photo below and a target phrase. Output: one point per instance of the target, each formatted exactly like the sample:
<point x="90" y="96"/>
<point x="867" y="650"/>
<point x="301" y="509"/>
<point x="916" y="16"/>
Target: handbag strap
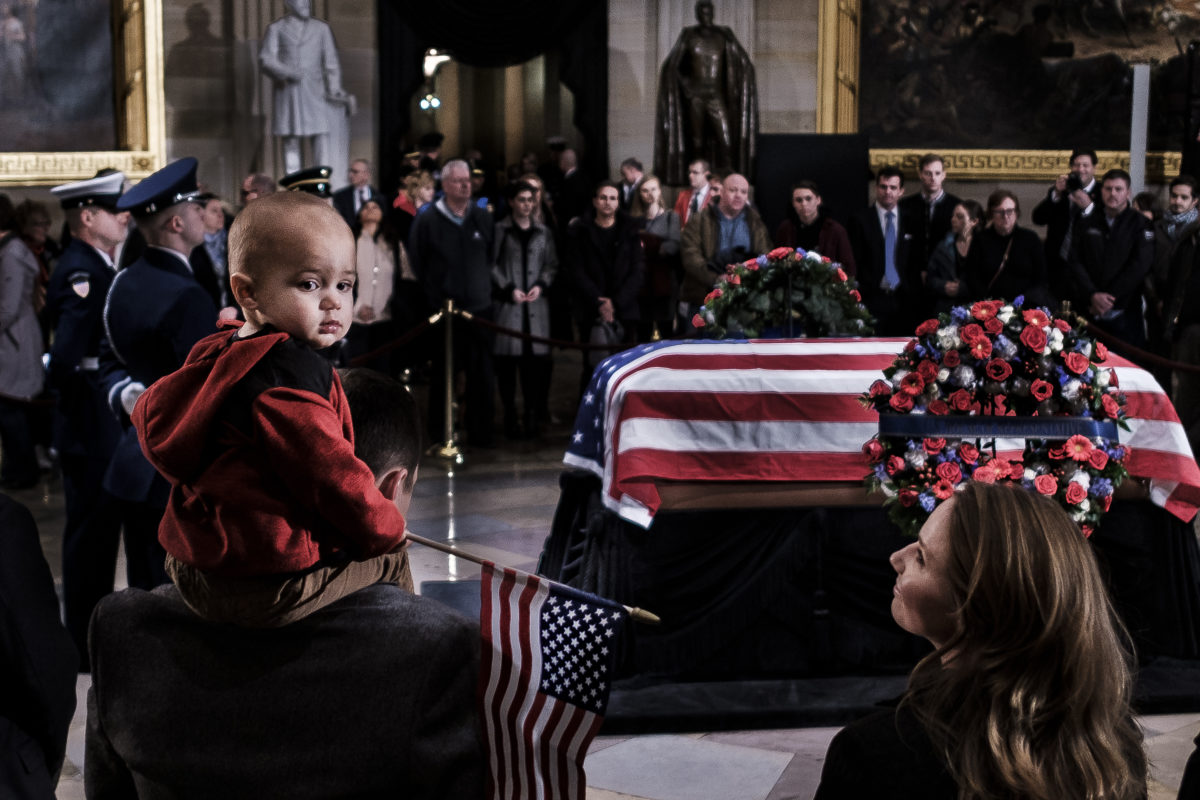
<point x="1003" y="262"/>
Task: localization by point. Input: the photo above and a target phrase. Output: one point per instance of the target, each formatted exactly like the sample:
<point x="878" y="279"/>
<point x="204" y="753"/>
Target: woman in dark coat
<point x="1006" y="260"/>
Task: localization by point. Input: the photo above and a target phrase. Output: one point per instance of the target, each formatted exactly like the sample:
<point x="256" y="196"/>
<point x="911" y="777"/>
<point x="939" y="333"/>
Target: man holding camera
<point x="1073" y="196"/>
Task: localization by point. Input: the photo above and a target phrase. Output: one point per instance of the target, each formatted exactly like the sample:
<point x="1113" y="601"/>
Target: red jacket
<point x="255" y="438"/>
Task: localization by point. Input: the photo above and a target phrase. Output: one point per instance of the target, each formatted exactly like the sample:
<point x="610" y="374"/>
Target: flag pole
<point x="638" y="614"/>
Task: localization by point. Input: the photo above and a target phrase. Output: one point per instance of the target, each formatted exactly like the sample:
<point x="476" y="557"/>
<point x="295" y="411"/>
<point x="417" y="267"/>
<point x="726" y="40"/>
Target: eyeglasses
<point x="1004" y="212"/>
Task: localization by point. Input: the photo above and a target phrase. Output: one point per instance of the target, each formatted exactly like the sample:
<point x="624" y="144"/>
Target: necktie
<point x="890" y="276"/>
<point x="695" y="206"/>
<point x="362" y="197"/>
<point x="1065" y="250"/>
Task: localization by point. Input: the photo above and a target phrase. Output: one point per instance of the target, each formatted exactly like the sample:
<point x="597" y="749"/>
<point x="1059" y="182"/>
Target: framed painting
<point x="81" y="89"/>
<point x="1003" y="89"/>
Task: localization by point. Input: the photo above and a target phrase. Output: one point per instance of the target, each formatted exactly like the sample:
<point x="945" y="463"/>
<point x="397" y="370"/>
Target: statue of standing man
<point x="707" y="102"/>
<point x="301" y="59"/>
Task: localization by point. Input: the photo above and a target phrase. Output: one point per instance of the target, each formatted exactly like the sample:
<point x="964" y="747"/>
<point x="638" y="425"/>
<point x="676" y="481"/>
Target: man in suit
<point x="697" y="196"/>
<point x="372" y="696"/>
<point x="209" y="259"/>
<point x="926" y="215"/>
<point x="632" y="176"/>
<point x="348" y="200"/>
<point x="37" y="661"/>
<point x="1074" y="195"/>
<point x="890" y="290"/>
<point x="154" y="313"/>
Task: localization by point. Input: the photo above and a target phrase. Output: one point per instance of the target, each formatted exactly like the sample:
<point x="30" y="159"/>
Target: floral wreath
<point x="1017" y="371"/>
<point x="763" y="294"/>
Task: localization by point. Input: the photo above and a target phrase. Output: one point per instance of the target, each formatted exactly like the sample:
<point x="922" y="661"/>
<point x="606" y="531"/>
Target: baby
<point x="271" y="515"/>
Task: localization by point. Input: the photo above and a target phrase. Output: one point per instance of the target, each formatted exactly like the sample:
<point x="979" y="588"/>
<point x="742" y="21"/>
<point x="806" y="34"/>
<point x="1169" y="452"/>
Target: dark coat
<point x="593" y="276"/>
<point x="37" y="663"/>
<point x="1113" y="259"/>
<point x="453" y="261"/>
<point x="371" y="696"/>
<point x="698" y="249"/>
<point x="927" y="231"/>
<point x="832" y="240"/>
<point x="903" y="308"/>
<point x="1024" y="270"/>
<point x="516" y="269"/>
<point x="343" y="202"/>
<point x="1056" y="215"/>
<point x="206" y="275"/>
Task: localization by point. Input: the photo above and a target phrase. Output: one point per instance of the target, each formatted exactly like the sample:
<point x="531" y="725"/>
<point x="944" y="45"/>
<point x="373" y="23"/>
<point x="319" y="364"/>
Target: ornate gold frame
<point x="138" y="86"/>
<point x="837" y="112"/>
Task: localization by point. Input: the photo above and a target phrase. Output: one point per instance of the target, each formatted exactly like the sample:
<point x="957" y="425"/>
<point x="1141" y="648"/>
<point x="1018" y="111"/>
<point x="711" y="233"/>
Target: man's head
<point x="933" y="172"/>
<point x="806" y="200"/>
<point x="631" y="170"/>
<point x="704" y="12"/>
<point x="889" y="186"/>
<point x="715" y="179"/>
<point x="256" y="185"/>
<point x="1003" y="210"/>
<point x="456" y="183"/>
<point x="299" y="8"/>
<point x="292" y="266"/>
<point x="522" y="196"/>
<point x="568" y="160"/>
<point x="1083" y="164"/>
<point x="698" y="174"/>
<point x="360" y="173"/>
<point x="1182" y="197"/>
<point x="90" y="206"/>
<point x="606" y="201"/>
<point x="1114" y="191"/>
<point x="735" y="194"/>
<point x="214" y="214"/>
<point x="387" y="431"/>
<point x="179" y="227"/>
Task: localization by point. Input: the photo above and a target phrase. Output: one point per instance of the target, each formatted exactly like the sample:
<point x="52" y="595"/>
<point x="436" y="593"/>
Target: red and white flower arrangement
<point x="996" y="359"/>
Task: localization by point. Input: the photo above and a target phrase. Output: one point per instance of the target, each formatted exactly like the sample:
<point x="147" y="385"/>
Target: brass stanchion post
<point x="449" y="449"/>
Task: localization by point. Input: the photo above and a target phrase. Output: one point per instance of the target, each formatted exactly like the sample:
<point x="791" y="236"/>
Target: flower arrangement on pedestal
<point x="1012" y="371"/>
<point x="786" y="292"/>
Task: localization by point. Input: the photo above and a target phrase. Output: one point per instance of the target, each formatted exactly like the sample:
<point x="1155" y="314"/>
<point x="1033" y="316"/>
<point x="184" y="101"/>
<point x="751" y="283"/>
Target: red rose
<point x="873" y="450"/>
<point x="841" y="274"/>
<point x="1075" y="493"/>
<point x="939" y="408"/>
<point x="698" y="321"/>
<point x="1046" y="484"/>
<point x="894" y="465"/>
<point x="855" y="295"/>
<point x="968" y="452"/>
<point x="1062" y="325"/>
<point x="1076" y="362"/>
<point x="1041" y="389"/>
<point x="734" y="279"/>
<point x="901" y="402"/>
<point x="1034" y="338"/>
<point x="912" y="383"/>
<point x="714" y="294"/>
<point x="1100" y="351"/>
<point x="981" y="348"/>
<point x="927" y="327"/>
<point x="1110" y="405"/>
<point x="927" y="370"/>
<point x="1106" y="502"/>
<point x="1035" y="316"/>
<point x="1098" y="459"/>
<point x="826" y="260"/>
<point x="971" y="333"/>
<point x="949" y="471"/>
<point x="943" y="490"/>
<point x="951" y="359"/>
<point x="983" y="310"/>
<point x="997" y="369"/>
<point x="1016" y="470"/>
<point x="780" y="252"/>
<point x="934" y="446"/>
<point x="1087" y="530"/>
<point x="993" y="326"/>
<point x="749" y="263"/>
<point x="984" y="474"/>
<point x="880" y="389"/>
<point x="960" y="400"/>
<point x="908" y="496"/>
<point x="912" y="345"/>
<point x="1057" y="453"/>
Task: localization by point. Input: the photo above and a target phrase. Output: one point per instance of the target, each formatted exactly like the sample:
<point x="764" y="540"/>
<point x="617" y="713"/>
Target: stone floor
<point x="500" y="506"/>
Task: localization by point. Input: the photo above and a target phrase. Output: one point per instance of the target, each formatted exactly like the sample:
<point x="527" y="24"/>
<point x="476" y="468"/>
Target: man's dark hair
<point x="263" y="184"/>
<point x="387" y="425"/>
<point x="805" y="184"/>
<point x="1184" y="180"/>
<point x="707" y="166"/>
<point x="633" y="162"/>
<point x="1083" y="151"/>
<point x="928" y="159"/>
<point x="999" y="196"/>
<point x="1117" y="174"/>
<point x="606" y="185"/>
<point x="516" y="187"/>
<point x="889" y="171"/>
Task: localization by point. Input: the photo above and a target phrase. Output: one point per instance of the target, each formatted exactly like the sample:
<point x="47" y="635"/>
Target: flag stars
<point x="577" y="437"/>
<point x="589" y="398"/>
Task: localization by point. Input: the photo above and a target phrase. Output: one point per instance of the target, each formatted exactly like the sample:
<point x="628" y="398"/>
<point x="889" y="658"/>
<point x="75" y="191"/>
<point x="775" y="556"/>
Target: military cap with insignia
<point x="102" y="191"/>
<point x="174" y="183"/>
<point x="314" y="180"/>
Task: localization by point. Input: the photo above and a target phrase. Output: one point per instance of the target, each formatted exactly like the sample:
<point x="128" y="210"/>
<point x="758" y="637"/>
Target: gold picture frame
<point x="837" y="112"/>
<point x="140" y="118"/>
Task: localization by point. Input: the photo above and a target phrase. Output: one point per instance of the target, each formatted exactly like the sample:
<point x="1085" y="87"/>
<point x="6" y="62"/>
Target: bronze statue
<point x="707" y="102"/>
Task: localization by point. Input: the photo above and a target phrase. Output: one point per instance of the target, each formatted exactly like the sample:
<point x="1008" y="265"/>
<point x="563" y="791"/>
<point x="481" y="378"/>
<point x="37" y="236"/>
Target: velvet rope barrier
<point x="1132" y="352"/>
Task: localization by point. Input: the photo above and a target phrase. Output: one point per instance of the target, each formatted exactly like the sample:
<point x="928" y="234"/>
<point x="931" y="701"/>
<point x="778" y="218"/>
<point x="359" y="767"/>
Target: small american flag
<point x="546" y="673"/>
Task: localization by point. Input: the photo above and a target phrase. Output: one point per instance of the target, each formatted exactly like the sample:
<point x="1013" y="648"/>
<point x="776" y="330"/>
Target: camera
<point x="1074" y="184"/>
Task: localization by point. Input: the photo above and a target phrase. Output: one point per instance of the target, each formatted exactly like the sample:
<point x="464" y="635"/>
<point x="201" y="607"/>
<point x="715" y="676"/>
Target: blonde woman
<point x="660" y="233"/>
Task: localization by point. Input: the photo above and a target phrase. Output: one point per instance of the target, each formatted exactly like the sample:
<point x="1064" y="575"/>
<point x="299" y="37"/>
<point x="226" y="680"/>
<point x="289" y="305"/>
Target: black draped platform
<point x="781" y="617"/>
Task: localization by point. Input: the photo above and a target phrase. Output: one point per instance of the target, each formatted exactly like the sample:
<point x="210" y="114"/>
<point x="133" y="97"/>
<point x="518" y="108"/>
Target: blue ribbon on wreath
<point x="985" y="427"/>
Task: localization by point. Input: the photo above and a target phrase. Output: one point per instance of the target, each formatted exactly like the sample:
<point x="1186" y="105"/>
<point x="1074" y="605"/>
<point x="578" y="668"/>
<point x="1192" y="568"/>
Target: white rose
<point x="1082" y="477"/>
<point x="1055" y="340"/>
<point x="1103" y="376"/>
<point x="915" y="459"/>
<point x="948" y="337"/>
<point x="943" y="375"/>
<point x="1085" y="505"/>
<point x="1071" y="389"/>
<point x="1006" y="314"/>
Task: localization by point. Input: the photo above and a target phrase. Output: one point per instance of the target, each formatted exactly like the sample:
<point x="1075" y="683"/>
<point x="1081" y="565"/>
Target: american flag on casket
<point x="788" y="410"/>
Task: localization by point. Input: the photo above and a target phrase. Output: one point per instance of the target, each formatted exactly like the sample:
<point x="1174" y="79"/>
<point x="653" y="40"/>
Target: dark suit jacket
<point x="37" y="663"/>
<point x="866" y="239"/>
<point x="206" y="274"/>
<point x="927" y="232"/>
<point x="372" y="696"/>
<point x="1055" y="214"/>
<point x="343" y="202"/>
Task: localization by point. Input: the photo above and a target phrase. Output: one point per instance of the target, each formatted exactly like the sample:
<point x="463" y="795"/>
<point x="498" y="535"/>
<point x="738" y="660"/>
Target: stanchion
<point x="449" y="449"/>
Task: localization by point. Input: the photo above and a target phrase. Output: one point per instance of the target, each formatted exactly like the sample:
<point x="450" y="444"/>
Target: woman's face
<point x="922" y="602"/>
<point x="424" y="194"/>
<point x="961" y="222"/>
<point x="370" y="213"/>
<point x="38" y="228"/>
<point x="650" y="192"/>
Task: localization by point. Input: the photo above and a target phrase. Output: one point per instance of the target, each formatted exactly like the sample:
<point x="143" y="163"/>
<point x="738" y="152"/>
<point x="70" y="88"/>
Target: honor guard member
<point x="155" y="312"/>
<point x="85" y="431"/>
<point x="313" y="180"/>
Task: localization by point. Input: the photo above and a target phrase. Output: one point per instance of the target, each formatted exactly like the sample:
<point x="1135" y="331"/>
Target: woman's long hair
<point x="1030" y="696"/>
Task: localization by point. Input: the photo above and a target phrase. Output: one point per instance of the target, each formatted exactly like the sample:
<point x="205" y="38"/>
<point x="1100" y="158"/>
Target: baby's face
<point x="308" y="292"/>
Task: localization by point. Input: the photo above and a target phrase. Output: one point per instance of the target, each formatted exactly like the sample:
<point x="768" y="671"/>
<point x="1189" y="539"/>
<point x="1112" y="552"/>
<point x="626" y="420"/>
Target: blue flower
<point x="928" y="501"/>
<point x="1020" y="301"/>
<point x="800" y="251"/>
<point x="960" y="314"/>
<point x="762" y="261"/>
<point x="881" y="473"/>
<point x="1101" y="487"/>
